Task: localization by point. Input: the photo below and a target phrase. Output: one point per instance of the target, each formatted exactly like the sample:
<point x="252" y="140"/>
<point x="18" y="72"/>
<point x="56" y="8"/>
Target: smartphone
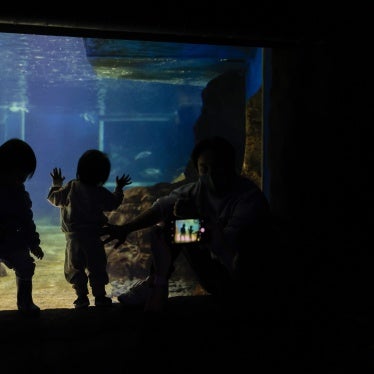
<point x="188" y="230"/>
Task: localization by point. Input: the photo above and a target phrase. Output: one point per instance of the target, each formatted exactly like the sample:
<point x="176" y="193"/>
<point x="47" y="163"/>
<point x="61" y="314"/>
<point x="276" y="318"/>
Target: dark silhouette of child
<point x="190" y="232"/>
<point x="18" y="235"/>
<point x="83" y="202"/>
<point x="183" y="232"/>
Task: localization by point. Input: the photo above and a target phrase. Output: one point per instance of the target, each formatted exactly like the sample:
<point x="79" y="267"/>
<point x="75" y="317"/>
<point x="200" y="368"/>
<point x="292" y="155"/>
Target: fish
<point x="18" y="107"/>
<point x="88" y="117"/>
<point x="152" y="172"/>
<point x="142" y="154"/>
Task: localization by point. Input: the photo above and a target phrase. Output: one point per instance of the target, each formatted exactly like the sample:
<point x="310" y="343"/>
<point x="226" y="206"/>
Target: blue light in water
<point x="72" y="97"/>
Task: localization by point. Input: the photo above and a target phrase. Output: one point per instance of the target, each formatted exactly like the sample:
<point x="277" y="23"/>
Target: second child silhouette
<point x="83" y="202"/>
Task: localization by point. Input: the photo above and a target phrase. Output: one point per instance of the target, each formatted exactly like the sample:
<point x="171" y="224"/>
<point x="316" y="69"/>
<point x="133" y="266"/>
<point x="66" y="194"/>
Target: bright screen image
<point x="187" y="230"/>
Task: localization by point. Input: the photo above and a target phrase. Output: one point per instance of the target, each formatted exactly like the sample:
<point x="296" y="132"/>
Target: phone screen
<point x="187" y="230"/>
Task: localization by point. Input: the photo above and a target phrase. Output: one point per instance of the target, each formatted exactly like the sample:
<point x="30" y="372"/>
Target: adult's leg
<point x="211" y="274"/>
<point x="152" y="292"/>
<point x="164" y="255"/>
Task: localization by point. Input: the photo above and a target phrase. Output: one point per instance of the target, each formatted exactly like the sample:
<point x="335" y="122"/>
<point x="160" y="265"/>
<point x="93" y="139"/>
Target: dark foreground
<point x="193" y="336"/>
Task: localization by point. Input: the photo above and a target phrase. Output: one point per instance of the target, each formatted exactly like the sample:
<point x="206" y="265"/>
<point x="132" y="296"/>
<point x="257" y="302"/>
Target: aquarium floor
<point x="194" y="335"/>
<point x="50" y="288"/>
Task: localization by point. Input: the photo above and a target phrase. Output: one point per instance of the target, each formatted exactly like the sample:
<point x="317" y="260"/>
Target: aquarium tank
<point x="135" y="100"/>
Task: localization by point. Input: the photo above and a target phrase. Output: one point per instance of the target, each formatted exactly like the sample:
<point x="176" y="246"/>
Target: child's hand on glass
<point x="123" y="181"/>
<point x="57" y="177"/>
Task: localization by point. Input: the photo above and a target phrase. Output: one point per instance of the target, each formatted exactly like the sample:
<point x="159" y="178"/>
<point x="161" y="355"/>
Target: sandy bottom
<point x="51" y="290"/>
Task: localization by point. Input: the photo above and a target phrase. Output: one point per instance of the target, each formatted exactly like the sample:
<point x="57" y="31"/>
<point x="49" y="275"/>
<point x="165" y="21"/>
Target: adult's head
<point x="17" y="161"/>
<point x="93" y="167"/>
<point x="214" y="159"/>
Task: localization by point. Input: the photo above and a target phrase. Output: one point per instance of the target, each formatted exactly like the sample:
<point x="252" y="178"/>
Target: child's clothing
<point x="82" y="208"/>
<point x="18" y="237"/>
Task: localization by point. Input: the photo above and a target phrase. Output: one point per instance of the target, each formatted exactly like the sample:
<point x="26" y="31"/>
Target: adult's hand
<point x="185" y="208"/>
<point x="114" y="232"/>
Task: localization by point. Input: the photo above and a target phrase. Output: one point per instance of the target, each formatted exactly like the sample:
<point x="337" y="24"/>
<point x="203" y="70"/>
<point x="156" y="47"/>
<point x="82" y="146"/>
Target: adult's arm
<point x="162" y="209"/>
<point x="145" y="219"/>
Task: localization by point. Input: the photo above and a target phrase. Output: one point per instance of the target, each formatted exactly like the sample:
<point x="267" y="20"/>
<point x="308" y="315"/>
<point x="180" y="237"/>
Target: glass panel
<point x="138" y="101"/>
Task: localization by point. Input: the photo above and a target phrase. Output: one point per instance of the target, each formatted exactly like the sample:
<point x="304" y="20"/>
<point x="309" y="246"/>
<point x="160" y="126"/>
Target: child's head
<point x="93" y="167"/>
<point x="17" y="161"/>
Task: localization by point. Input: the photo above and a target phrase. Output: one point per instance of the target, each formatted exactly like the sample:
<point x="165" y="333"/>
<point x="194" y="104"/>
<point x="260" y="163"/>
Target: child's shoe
<point x="81" y="302"/>
<point x="30" y="310"/>
<point x="25" y="303"/>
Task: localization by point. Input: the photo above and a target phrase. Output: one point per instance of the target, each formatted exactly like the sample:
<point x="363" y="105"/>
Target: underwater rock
<point x="3" y="271"/>
<point x="133" y="258"/>
<point x="223" y="113"/>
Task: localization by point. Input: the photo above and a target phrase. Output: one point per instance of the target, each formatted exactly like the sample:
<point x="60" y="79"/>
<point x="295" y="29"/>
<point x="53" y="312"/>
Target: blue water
<point x="136" y="101"/>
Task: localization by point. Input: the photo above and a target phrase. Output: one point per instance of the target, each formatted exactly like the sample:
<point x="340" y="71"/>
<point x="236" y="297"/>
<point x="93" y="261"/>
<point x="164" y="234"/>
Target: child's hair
<point x="93" y="167"/>
<point x="16" y="154"/>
